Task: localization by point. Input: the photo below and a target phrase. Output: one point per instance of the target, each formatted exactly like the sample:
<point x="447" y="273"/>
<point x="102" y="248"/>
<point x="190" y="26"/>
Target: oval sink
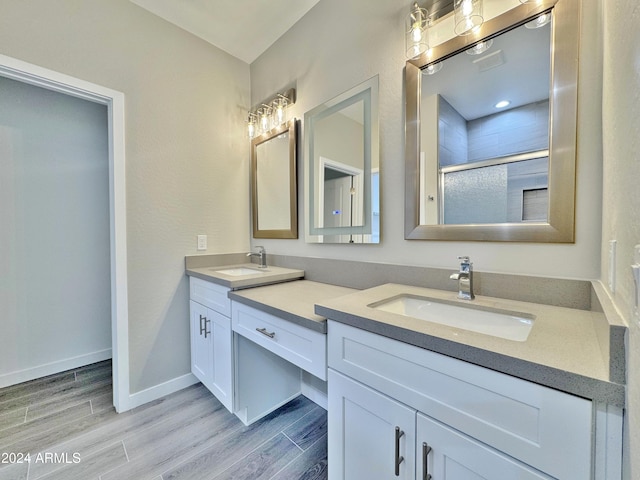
<point x="498" y="323"/>
<point x="238" y="271"/>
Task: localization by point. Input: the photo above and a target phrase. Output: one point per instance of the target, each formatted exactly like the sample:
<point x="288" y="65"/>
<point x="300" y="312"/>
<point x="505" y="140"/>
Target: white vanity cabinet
<point x="397" y="409"/>
<point x="212" y="338"/>
<point x="271" y="354"/>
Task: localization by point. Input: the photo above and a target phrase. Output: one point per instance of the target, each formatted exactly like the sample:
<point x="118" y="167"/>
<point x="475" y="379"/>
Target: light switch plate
<point x="202" y="242"/>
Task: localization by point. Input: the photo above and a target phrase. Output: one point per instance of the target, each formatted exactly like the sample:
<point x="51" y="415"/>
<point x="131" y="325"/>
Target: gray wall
<point x="186" y="150"/>
<point x="621" y="171"/>
<point x="340" y="44"/>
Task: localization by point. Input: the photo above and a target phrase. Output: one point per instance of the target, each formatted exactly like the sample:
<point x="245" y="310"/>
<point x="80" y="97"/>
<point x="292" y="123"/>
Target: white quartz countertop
<point x="562" y="350"/>
<point x="293" y="301"/>
<point x="263" y="276"/>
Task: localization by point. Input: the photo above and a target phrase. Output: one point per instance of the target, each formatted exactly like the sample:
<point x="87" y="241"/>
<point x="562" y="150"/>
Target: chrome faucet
<point x="465" y="279"/>
<point x="262" y="254"/>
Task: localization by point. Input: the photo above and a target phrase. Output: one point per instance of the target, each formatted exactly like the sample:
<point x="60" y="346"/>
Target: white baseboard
<point x="40" y="371"/>
<point x="158" y="391"/>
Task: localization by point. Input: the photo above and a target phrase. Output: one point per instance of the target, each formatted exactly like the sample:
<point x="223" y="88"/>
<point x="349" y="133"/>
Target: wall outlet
<point x="612" y="265"/>
<point x="202" y="242"/>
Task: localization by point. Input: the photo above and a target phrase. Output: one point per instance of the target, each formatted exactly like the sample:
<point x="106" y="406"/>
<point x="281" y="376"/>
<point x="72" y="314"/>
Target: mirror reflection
<point x="474" y="172"/>
<point x="342" y="160"/>
<point x="274" y="183"/>
<point x="484" y="116"/>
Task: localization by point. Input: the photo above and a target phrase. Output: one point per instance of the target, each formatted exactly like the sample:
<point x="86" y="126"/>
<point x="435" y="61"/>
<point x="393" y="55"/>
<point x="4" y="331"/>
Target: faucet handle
<point x="262" y="250"/>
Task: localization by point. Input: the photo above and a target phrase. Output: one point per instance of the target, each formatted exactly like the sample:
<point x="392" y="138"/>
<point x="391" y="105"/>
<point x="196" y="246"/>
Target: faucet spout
<point x="261" y="254"/>
<point x="465" y="279"/>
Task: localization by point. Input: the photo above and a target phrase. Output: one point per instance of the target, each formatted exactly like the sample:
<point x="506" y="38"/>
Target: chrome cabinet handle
<point x="202" y="328"/>
<point x="399" y="459"/>
<point x="266" y="333"/>
<point x="426" y="449"/>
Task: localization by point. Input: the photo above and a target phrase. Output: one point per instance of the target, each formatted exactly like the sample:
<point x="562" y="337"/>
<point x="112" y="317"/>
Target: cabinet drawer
<point x="210" y="295"/>
<point x="303" y="347"/>
<point x="544" y="428"/>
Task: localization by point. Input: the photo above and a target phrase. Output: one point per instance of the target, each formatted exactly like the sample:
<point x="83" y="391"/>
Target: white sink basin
<point x="239" y="271"/>
<point x="498" y="323"/>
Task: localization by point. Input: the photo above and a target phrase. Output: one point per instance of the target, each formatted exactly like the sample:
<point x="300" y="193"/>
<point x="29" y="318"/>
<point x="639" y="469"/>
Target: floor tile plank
<point x="306" y="431"/>
<point x="231" y="449"/>
<point x="310" y="465"/>
<point x="164" y="446"/>
<point x="264" y="462"/>
<point x="91" y="466"/>
<point x="122" y="426"/>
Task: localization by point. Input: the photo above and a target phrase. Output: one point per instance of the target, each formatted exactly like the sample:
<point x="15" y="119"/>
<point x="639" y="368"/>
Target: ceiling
<point x="243" y="28"/>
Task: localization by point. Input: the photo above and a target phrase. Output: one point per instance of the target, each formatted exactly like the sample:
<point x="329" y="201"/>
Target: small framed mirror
<point x="273" y="183"/>
<point x="342" y="168"/>
<point x="491" y="130"/>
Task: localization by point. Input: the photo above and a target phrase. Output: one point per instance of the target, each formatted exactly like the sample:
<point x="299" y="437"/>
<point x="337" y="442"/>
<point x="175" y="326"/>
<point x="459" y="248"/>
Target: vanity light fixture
<point x="467" y="16"/>
<point x="270" y="114"/>
<point x="416" y="32"/>
<point x="480" y="47"/>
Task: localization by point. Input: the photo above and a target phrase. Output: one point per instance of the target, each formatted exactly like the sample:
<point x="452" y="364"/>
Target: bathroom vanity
<point x="417" y="383"/>
<point x="254" y="348"/>
<point x="410" y="398"/>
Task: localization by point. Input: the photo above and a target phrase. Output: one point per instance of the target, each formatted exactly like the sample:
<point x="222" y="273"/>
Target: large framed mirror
<point x="342" y="169"/>
<point x="273" y="183"/>
<point x="481" y="170"/>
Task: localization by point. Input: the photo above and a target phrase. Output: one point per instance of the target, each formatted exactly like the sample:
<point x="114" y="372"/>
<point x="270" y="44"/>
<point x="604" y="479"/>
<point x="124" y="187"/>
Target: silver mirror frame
<point x="560" y="227"/>
<point x="367" y="90"/>
<point x="292" y="232"/>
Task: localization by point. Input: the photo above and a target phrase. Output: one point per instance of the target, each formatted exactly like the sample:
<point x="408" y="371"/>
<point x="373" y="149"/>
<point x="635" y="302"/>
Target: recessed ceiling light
<point x="502" y="103"/>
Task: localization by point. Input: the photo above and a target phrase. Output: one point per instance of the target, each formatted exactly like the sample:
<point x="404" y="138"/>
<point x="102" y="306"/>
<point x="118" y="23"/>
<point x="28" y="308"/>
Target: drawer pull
<point x="265" y="332"/>
<point x="426" y="449"/>
<point x="206" y="332"/>
<point x="399" y="459"/>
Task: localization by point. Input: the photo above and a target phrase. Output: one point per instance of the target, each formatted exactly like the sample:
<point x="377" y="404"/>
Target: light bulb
<point x="416" y="33"/>
<point x="280" y="114"/>
<point x="467" y="7"/>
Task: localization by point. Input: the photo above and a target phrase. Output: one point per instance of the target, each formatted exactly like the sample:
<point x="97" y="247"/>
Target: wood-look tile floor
<point x="69" y="428"/>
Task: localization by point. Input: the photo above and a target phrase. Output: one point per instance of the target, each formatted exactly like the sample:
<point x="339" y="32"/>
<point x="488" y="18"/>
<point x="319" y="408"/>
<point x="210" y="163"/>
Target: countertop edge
<point x="242" y="283"/>
<point x="320" y="327"/>
<point x="575" y="384"/>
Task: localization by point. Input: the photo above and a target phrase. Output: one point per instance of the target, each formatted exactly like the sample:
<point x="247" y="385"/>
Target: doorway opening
<point x="114" y="101"/>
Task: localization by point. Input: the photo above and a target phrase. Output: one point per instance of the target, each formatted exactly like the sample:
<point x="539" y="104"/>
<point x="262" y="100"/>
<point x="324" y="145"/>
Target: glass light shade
<point x="416" y="32"/>
<point x="529" y="1"/>
<point x="251" y="125"/>
<point x="280" y="110"/>
<point x="467" y="16"/>
<point x="265" y="123"/>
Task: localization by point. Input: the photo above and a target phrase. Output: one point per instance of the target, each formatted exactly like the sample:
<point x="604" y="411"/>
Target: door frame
<point x="41" y="77"/>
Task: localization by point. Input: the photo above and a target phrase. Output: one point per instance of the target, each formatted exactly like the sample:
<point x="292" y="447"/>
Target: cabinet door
<point x="445" y="454"/>
<point x="369" y="433"/>
<point x="222" y="358"/>
<point x="201" y="345"/>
